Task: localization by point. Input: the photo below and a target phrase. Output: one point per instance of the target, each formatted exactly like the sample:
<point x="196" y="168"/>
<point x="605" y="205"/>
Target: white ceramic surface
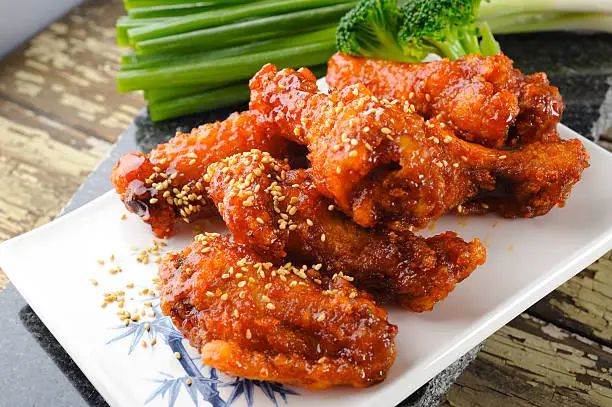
<point x="527" y="258"/>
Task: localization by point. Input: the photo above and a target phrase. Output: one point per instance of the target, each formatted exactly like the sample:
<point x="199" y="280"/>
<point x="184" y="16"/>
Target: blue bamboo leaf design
<point x="174" y="392"/>
<point x="195" y="382"/>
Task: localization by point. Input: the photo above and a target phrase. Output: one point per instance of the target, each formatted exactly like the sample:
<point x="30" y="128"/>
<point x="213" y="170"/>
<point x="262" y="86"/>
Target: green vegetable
<point x="448" y="28"/>
<point x="222" y="71"/>
<point x="559" y="21"/>
<point x="229" y="15"/>
<point x="444" y="27"/>
<point x="135" y="61"/>
<point x="207" y="100"/>
<point x="370" y="29"/>
<point x="243" y="32"/>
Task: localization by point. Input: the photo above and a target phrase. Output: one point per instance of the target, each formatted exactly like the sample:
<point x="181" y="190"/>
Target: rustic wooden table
<point x="60" y="113"/>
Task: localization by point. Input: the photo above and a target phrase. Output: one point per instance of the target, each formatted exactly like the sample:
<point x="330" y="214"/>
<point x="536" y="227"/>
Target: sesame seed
<point x="210" y="294"/>
<point x="153" y="201"/>
<point x="101" y="262"/>
<point x="331" y="207"/>
<point x="484" y="205"/>
<point x="270" y="306"/>
<point x="321" y="317"/>
<point x="385" y="130"/>
<point x="447" y="139"/>
<point x="353" y="294"/>
<point x="123" y="217"/>
<point x="259" y="220"/>
<point x="129" y="285"/>
<point x="224" y="297"/>
<point x="427" y="97"/>
<point x="410" y="95"/>
<point x="309" y="222"/>
<point x="177" y="355"/>
<point x="93" y="282"/>
<point x="248" y="334"/>
<point x="242" y="283"/>
<point x="501" y="157"/>
<point x="154" y="341"/>
<point x="192" y="161"/>
<point x="353" y="153"/>
<point x="323" y="237"/>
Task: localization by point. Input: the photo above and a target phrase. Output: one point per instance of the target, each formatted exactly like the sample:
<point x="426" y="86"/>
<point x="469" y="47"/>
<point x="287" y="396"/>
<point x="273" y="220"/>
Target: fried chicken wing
<point x="278" y="212"/>
<point x="381" y="162"/>
<point x="485" y="99"/>
<point x="162" y="187"/>
<point x="251" y="319"/>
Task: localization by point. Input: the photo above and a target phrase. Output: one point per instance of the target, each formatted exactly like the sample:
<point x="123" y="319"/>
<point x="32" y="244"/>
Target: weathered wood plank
<point x="67" y="73"/>
<point x="531" y="362"/>
<point x="583" y="304"/>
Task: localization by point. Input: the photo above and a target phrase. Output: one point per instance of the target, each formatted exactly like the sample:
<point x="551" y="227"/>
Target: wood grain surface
<point x="60" y="113"/>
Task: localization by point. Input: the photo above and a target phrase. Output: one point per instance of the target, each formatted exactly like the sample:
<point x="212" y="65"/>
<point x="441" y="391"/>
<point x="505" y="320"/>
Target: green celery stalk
<point x="124" y="23"/>
<point x="242" y="32"/>
<point x="129" y="4"/>
<point x="225" y="70"/>
<point x="497" y="8"/>
<point x="134" y="61"/>
<point x="540" y="22"/>
<point x="226" y="16"/>
<point x="213" y="99"/>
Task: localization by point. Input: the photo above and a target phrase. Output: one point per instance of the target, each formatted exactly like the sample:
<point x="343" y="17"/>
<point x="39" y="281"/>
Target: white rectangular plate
<point x="527" y="258"/>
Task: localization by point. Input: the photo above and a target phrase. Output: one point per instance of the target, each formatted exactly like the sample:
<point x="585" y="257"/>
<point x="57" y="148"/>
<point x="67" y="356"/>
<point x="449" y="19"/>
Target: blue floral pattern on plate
<point x="194" y="382"/>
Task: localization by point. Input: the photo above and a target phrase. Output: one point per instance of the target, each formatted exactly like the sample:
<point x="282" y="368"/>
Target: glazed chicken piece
<point x="484" y="99"/>
<point x="278" y="212"/>
<point x="382" y="163"/>
<point x="253" y="320"/>
<point x="162" y="187"/>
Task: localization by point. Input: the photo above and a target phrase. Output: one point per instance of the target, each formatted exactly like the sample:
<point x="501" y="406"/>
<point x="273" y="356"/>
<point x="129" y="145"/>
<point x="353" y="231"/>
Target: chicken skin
<point x="278" y="212"/>
<point x="162" y="187"/>
<point x="484" y="99"/>
<point x="251" y="319"/>
<point x="380" y="162"/>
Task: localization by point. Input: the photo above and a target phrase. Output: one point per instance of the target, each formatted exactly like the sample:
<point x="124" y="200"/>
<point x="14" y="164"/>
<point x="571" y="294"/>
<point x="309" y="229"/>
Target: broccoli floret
<point x="370" y="29"/>
<point x="444" y="27"/>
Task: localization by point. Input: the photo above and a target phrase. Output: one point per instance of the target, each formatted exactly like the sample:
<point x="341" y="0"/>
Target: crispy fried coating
<point x="278" y="212"/>
<point x="163" y="187"/>
<point x="382" y="163"/>
<point x="251" y="319"/>
<point x="485" y="99"/>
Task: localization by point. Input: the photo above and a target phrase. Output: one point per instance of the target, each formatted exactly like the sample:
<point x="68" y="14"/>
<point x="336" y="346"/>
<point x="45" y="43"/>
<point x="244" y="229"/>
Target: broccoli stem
<point x="225" y="70"/>
<point x="488" y="44"/>
<point x="540" y="22"/>
<point x="226" y="16"/>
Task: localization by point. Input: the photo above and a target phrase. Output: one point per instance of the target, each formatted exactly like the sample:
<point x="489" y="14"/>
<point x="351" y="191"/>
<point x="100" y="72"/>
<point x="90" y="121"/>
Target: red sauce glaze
<point x="485" y="99"/>
<point x="251" y="319"/>
<point x="164" y="187"/>
<point x="278" y="212"/>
